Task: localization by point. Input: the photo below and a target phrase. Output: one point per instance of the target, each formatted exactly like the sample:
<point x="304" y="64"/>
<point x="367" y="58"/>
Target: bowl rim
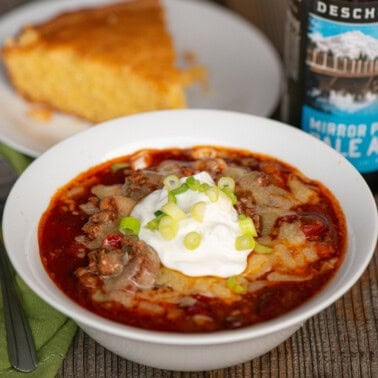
<point x="88" y="319"/>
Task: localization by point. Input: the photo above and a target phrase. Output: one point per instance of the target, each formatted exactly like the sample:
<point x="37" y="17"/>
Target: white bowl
<point x="32" y="192"/>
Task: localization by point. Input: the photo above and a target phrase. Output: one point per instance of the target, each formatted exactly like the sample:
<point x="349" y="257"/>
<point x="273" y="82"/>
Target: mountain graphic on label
<point x="352" y="44"/>
<point x="343" y="72"/>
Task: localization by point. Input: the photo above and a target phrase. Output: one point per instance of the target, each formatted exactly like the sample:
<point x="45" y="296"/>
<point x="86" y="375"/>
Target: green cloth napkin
<point x="52" y="331"/>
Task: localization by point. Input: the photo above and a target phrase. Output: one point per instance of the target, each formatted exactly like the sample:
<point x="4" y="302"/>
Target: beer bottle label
<point x="340" y="94"/>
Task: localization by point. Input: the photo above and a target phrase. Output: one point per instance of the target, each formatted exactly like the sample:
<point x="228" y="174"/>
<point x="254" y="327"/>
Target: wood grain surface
<point x="341" y="341"/>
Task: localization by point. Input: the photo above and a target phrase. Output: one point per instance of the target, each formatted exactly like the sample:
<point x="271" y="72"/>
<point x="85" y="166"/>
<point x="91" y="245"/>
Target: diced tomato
<point x="201" y="306"/>
<point x="112" y="241"/>
<point x="314" y="229"/>
<point x="324" y="250"/>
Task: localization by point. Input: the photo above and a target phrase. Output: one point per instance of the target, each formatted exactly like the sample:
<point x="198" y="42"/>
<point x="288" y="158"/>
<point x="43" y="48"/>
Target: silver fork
<point x="21" y="349"/>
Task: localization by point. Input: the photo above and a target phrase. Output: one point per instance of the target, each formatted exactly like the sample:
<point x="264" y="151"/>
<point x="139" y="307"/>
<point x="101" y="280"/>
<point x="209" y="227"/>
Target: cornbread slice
<point x="99" y="63"/>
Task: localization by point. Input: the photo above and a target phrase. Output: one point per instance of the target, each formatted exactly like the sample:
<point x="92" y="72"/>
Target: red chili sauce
<point x="88" y="258"/>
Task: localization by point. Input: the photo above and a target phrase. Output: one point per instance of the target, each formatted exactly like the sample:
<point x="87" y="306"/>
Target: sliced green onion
<point x="174" y="211"/>
<point x="172" y="197"/>
<point x="192" y="183"/>
<point x="203" y="187"/>
<point x="237" y="284"/>
<point x="212" y="193"/>
<point x="171" y="182"/>
<point x="198" y="211"/>
<point x="158" y="213"/>
<point x="192" y="240"/>
<point x="246" y="225"/>
<point x="226" y="182"/>
<point x="244" y="242"/>
<point x="181" y="189"/>
<point x="168" y="227"/>
<point x="153" y="224"/>
<point x="259" y="248"/>
<point x="129" y="225"/>
<point x="117" y="166"/>
<point x="231" y="195"/>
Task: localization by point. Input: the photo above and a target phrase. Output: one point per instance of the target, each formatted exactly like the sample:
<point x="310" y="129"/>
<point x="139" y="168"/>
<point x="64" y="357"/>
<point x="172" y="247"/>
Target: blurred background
<point x="267" y="15"/>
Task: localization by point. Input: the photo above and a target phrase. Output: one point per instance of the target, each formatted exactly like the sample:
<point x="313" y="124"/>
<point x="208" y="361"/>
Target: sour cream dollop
<point x="216" y="255"/>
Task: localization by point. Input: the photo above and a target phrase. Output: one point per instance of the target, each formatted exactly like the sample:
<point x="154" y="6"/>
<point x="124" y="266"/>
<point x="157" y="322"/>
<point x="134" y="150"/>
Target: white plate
<point x="244" y="69"/>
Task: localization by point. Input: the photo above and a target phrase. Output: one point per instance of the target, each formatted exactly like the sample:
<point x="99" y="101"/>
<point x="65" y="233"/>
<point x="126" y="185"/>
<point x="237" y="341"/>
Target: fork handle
<point x="21" y="349"/>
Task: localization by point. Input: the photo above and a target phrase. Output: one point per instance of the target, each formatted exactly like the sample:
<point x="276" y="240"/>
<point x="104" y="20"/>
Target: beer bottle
<point x="331" y="68"/>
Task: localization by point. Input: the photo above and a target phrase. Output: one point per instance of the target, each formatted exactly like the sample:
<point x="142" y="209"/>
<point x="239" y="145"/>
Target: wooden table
<point x="341" y="341"/>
